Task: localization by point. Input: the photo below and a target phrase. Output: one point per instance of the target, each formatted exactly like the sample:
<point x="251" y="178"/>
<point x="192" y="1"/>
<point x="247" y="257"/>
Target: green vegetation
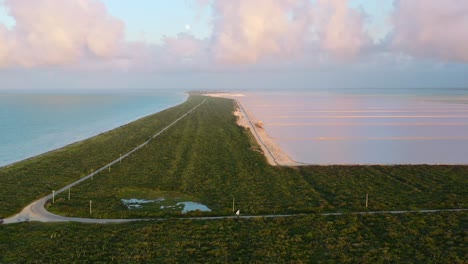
<point x="207" y="158"/>
<point x="212" y="160"/>
<point x="390" y="187"/>
<point x="34" y="178"/>
<point x="410" y="238"/>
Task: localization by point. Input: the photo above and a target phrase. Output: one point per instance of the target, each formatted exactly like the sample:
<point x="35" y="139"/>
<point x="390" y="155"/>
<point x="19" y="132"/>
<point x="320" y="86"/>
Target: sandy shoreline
<point x="356" y="129"/>
<point x="272" y="151"/>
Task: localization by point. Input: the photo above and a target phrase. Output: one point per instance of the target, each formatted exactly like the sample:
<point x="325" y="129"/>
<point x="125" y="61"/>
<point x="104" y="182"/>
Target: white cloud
<point x="340" y="28"/>
<point x="246" y="32"/>
<point x="431" y="28"/>
<point x="264" y="33"/>
<point x="183" y="49"/>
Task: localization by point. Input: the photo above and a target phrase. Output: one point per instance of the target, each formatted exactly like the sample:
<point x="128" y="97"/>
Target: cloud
<point x="4" y="46"/>
<point x="246" y="32"/>
<point x="57" y="32"/>
<point x="437" y="29"/>
<point x="262" y="33"/>
<point x="183" y="49"/>
<point x="340" y="29"/>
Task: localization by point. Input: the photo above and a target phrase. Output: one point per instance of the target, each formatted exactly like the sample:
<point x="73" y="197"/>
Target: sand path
<point x="36" y="211"/>
<point x="272" y="151"/>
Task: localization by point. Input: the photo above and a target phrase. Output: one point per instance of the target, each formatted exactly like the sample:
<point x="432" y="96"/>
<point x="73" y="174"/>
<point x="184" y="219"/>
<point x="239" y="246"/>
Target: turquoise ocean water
<point x="328" y="126"/>
<point x="32" y="124"/>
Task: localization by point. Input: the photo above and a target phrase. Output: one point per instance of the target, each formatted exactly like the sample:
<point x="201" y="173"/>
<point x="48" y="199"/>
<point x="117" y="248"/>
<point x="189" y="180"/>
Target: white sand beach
<point x="245" y="118"/>
<point x="350" y="129"/>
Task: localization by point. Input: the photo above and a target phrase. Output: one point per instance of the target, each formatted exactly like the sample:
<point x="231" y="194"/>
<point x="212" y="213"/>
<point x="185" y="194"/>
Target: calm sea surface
<point x="31" y="124"/>
<point x="367" y="126"/>
<point x="321" y="127"/>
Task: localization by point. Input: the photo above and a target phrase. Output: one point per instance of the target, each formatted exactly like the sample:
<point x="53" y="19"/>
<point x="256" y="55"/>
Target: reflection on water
<point x="188" y="206"/>
<point x="31" y="124"/>
<point x="366" y="129"/>
<point x="192" y="206"/>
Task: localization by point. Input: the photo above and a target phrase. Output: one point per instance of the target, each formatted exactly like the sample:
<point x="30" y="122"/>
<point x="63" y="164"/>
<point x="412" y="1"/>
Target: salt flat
<point x="364" y="128"/>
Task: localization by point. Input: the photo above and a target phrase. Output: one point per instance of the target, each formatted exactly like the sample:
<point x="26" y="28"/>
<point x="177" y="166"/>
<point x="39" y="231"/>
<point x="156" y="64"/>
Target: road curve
<point x="36" y="211"/>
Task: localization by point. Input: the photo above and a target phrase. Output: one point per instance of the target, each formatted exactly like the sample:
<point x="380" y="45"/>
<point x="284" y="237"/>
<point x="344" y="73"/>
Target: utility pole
<point x="53" y="196"/>
<point x="367" y="200"/>
<point x="69" y="194"/>
<point x="90" y="207"/>
<point x="233" y="204"/>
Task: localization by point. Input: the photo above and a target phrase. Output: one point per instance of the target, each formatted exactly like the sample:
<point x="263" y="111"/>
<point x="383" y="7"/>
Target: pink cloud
<point x="437" y="29"/>
<point x="81" y="32"/>
<point x="183" y="49"/>
<point x="4" y="46"/>
<point x="340" y="29"/>
<point x="56" y="32"/>
<point x="246" y="32"/>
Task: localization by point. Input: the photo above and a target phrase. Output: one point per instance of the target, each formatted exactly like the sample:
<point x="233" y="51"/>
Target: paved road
<point x="268" y="153"/>
<point x="36" y="211"/>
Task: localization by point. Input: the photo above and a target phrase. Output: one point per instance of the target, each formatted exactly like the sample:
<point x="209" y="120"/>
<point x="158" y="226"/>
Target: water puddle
<point x="192" y="206"/>
<point x="137" y="203"/>
<point x="185" y="207"/>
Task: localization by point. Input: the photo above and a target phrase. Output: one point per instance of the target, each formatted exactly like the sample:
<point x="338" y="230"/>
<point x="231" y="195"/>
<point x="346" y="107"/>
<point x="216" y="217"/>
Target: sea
<point x="313" y="126"/>
<point x="33" y="123"/>
<point x="366" y="126"/>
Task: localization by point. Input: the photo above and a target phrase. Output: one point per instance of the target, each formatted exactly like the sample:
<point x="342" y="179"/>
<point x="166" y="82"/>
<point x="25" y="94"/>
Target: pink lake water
<point x="365" y="128"/>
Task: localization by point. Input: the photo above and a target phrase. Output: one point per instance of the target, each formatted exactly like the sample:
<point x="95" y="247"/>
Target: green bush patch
<point x="207" y="158"/>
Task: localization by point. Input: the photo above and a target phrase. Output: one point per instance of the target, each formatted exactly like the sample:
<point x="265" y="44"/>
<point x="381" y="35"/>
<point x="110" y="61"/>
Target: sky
<point x="233" y="44"/>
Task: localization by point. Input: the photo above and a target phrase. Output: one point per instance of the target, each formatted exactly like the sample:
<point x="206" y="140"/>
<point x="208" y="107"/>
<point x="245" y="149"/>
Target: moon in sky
<point x="187" y="27"/>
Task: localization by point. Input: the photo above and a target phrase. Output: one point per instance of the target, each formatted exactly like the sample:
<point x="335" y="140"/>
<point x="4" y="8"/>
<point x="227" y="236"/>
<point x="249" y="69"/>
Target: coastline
<point x="274" y="154"/>
<point x="90" y="132"/>
<point x="358" y="130"/>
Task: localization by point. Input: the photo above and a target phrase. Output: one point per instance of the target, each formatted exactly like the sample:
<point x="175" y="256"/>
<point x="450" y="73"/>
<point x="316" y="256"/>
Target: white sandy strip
<point x="274" y="154"/>
<point x="225" y="95"/>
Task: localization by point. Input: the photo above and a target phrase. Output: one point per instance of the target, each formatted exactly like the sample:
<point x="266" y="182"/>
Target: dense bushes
<point x="208" y="157"/>
<point x="31" y="179"/>
<point x="408" y="238"/>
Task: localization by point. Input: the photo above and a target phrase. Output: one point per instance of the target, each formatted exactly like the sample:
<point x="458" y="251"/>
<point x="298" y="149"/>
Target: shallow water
<point x="31" y="124"/>
<point x="138" y="203"/>
<point x="192" y="206"/>
<point x="134" y="203"/>
<point x="364" y="128"/>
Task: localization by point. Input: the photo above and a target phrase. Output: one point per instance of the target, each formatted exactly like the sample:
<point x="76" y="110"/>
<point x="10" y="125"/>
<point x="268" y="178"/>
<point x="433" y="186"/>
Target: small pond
<point x="185" y="207"/>
<point x="192" y="206"/>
